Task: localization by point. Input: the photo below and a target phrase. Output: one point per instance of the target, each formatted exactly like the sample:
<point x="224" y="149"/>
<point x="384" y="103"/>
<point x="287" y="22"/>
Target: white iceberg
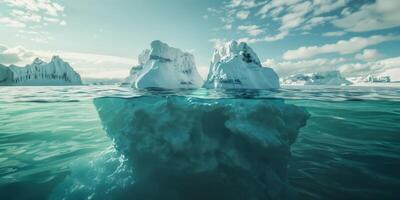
<point x="319" y="78"/>
<point x="236" y="66"/>
<point x="56" y="72"/>
<point x="165" y="67"/>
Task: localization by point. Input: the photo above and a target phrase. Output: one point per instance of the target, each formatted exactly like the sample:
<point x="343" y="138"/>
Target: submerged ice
<point x="190" y="148"/>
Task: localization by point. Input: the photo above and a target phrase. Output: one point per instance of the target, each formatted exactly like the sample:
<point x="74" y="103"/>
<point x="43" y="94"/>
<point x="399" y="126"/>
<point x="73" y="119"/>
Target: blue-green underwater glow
<point x="52" y="143"/>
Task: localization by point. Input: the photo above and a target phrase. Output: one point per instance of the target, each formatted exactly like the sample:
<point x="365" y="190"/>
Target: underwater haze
<point x="62" y="143"/>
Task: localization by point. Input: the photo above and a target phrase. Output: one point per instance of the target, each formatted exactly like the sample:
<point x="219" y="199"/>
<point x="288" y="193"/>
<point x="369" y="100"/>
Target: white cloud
<point x="203" y="71"/>
<point x="47" y="6"/>
<point x="33" y="14"/>
<point x="394" y="73"/>
<point x="246" y="4"/>
<point x="316" y="21"/>
<point x="228" y="27"/>
<point x="218" y="42"/>
<point x="243" y="14"/>
<point x="369" y="55"/>
<point x="326" y="6"/>
<point x="38" y="36"/>
<point x="276" y="37"/>
<point x="88" y="65"/>
<point x="381" y="14"/>
<point x="253" y="30"/>
<point x="51" y="19"/>
<point x="13" y="55"/>
<point x="25" y="16"/>
<point x="11" y="22"/>
<point x="269" y="38"/>
<point x="334" y="34"/>
<point x="234" y="3"/>
<point x="275" y="4"/>
<point x="389" y="66"/>
<point x="353" y="45"/>
<point x="288" y="15"/>
<point x="376" y="68"/>
<point x="295" y="15"/>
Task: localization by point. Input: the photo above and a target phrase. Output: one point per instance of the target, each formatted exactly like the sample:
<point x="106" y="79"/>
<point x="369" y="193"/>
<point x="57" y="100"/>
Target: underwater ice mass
<point x="177" y="147"/>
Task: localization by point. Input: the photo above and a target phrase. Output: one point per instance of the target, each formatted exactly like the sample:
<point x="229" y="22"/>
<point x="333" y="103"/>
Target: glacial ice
<point x="318" y="78"/>
<point x="236" y="66"/>
<point x="165" y="67"/>
<point x="192" y="148"/>
<point x="56" y="72"/>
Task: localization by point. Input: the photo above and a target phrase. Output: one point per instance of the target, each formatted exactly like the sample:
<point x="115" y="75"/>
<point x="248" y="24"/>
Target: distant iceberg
<point x="319" y="78"/>
<point x="56" y="72"/>
<point x="236" y="66"/>
<point x="165" y="67"/>
<point x="370" y="79"/>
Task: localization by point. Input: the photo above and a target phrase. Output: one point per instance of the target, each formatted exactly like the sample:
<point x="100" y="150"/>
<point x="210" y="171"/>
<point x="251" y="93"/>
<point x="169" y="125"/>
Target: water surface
<point x="349" y="149"/>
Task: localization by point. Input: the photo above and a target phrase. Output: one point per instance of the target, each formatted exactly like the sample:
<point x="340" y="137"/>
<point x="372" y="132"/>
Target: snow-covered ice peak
<point x="236" y="66"/>
<point x="56" y="59"/>
<point x="232" y="49"/>
<point x="37" y="61"/>
<point x="165" y="67"/>
<point x="144" y="56"/>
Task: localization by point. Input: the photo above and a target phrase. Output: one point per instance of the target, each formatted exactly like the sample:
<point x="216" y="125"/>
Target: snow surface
<point x="56" y="72"/>
<point x="194" y="148"/>
<point x="165" y="67"/>
<point x="319" y="78"/>
<point x="236" y="66"/>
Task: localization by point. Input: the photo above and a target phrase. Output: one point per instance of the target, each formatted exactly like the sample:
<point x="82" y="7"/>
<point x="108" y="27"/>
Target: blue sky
<point x="103" y="38"/>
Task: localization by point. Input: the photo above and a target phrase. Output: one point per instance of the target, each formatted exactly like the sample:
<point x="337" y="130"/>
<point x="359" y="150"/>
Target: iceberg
<point x="193" y="148"/>
<point x="56" y="72"/>
<point x="319" y="78"/>
<point x="6" y="75"/>
<point x="236" y="66"/>
<point x="376" y="79"/>
<point x="164" y="67"/>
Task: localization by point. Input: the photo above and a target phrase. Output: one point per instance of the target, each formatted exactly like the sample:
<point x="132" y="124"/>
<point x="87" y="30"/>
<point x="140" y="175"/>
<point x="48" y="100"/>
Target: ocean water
<point x="53" y="144"/>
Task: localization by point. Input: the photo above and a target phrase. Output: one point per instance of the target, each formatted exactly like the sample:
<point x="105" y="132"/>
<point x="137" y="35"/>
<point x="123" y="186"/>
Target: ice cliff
<point x="193" y="148"/>
<point x="56" y="72"/>
<point x="165" y="67"/>
<point x="319" y="78"/>
<point x="236" y="65"/>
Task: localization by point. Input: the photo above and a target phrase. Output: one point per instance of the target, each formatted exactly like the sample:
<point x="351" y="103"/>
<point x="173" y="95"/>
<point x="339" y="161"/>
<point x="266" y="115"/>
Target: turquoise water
<point x="349" y="149"/>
